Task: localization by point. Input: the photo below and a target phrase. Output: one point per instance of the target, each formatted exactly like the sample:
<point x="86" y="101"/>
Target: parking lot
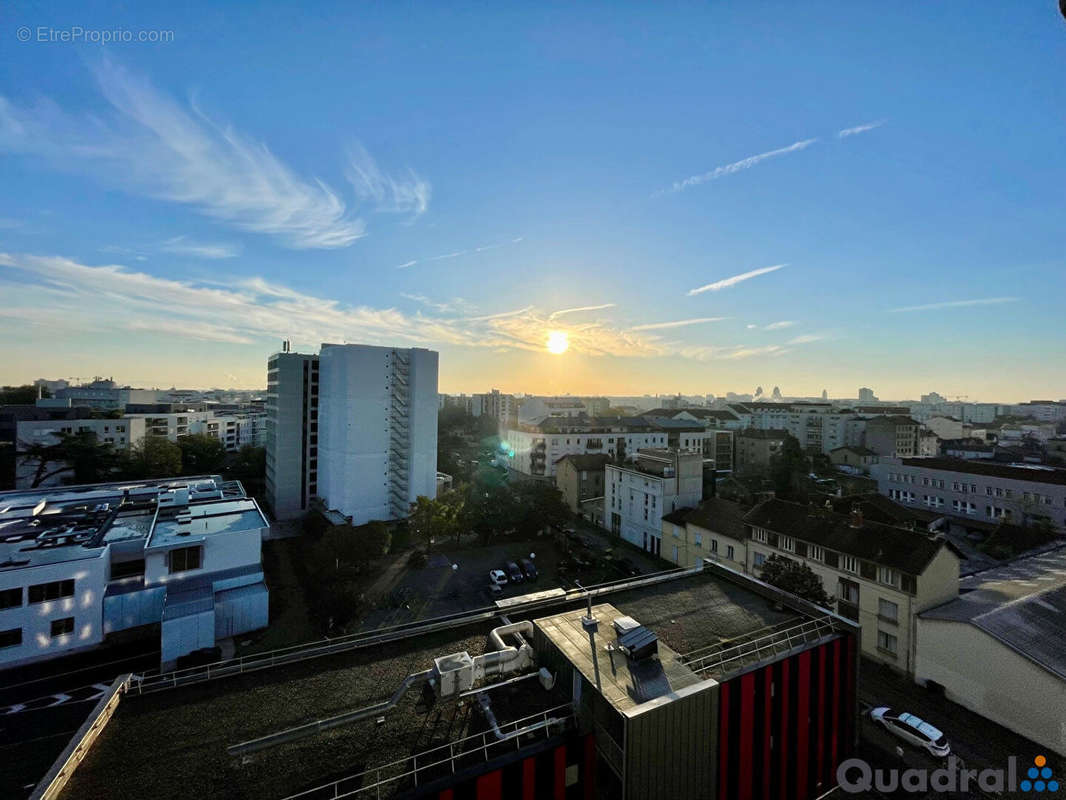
<point x="456" y="578"/>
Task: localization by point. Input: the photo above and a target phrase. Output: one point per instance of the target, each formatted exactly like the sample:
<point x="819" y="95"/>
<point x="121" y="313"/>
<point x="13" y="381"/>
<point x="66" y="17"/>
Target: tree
<point x="440" y="518"/>
<point x="81" y="454"/>
<point x="201" y="454"/>
<point x="154" y="457"/>
<point x="795" y="578"/>
<point x="539" y="505"/>
<point x="21" y="395"/>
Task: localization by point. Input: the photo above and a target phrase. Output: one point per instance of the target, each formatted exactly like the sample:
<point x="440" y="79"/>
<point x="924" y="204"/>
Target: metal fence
<point x="446" y="759"/>
<point x="160" y="681"/>
<point x="729" y="655"/>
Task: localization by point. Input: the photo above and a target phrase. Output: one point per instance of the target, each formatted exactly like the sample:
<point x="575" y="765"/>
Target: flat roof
<point x="624" y="683"/>
<point x="1036" y="473"/>
<point x="55" y="524"/>
<point x="1022" y="604"/>
<point x="173" y="744"/>
<point x="205" y="519"/>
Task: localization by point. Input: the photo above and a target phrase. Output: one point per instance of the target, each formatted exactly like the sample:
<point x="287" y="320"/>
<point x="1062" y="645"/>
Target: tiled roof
<point x="886" y="545"/>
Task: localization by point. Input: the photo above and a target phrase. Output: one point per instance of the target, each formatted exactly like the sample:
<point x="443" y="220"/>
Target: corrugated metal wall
<point x="785" y="727"/>
<point x="241" y="610"/>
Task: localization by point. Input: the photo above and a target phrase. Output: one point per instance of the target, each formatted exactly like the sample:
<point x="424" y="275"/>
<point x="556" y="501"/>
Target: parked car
<point x="495" y="590"/>
<point x="529" y="568"/>
<point x="497" y="577"/>
<point x="514" y="572"/>
<point x="912" y="729"/>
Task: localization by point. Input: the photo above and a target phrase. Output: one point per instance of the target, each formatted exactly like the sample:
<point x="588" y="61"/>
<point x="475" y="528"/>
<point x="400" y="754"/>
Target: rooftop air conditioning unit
<point x="453" y="673"/>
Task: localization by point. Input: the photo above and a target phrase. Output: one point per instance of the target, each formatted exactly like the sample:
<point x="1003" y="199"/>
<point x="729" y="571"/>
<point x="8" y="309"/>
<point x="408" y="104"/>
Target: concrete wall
<point x="993" y="680"/>
<point x="35" y="619"/>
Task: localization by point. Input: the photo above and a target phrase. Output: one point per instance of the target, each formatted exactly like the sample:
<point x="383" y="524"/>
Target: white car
<point x="497" y="577"/>
<point x="912" y="729"/>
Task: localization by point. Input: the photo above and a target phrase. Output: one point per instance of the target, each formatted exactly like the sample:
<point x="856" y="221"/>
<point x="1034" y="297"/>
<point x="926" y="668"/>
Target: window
<point x="887" y="610"/>
<point x="760" y="559"/>
<point x="729" y="552"/>
<point x="849" y="563"/>
<point x="758" y="534"/>
<point x="43" y="592"/>
<point x="126" y="569"/>
<point x="714" y="545"/>
<point x="11" y="638"/>
<point x="184" y="558"/>
<point x="11" y="598"/>
<point x="908" y="583"/>
<point x="815" y="553"/>
<point x="697" y="538"/>
<point x="888" y="576"/>
<point x="61" y="627"/>
<point x="787" y="543"/>
<point x="886" y="642"/>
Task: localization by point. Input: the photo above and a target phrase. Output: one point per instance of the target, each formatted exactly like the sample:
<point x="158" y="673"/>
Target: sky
<point x="699" y="199"/>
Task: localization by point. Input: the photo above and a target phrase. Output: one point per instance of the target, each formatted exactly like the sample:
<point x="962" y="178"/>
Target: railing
<point x="55" y="780"/>
<point x="155" y="681"/>
<point x="445" y="759"/>
<point x="762" y="647"/>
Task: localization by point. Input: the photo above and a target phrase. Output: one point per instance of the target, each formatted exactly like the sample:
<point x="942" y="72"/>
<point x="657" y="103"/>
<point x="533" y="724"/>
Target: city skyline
<point x="601" y="219"/>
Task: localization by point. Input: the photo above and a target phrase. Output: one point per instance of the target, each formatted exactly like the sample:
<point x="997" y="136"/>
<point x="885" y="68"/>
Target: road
<point x="977" y="742"/>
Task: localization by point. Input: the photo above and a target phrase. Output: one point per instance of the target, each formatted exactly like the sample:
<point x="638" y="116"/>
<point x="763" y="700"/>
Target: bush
<point x="417" y="559"/>
<point x="401" y="538"/>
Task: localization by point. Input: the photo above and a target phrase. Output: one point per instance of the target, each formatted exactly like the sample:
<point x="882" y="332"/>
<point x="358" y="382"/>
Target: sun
<point x="558" y="342"/>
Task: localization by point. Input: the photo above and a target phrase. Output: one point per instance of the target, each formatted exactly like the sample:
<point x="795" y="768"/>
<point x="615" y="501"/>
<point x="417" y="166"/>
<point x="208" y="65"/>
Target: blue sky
<point x="173" y="210"/>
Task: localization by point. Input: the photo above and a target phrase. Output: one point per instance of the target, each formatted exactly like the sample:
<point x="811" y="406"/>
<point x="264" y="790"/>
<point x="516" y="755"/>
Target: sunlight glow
<point x="558" y="342"/>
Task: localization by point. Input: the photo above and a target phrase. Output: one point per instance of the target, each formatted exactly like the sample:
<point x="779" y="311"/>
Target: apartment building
<point x="893" y="435"/>
<point x="580" y="478"/>
<point x="291" y="433"/>
<point x="714" y="529"/>
<point x="501" y="407"/>
<point x="857" y="459"/>
<point x="378" y="419"/>
<point x="636" y="496"/>
<point x="105" y="395"/>
<point x="757" y="448"/>
<point x="533" y="410"/>
<point x="881" y="576"/>
<point x="79" y="563"/>
<point x="819" y="427"/>
<point x="1023" y="494"/>
<point x="533" y="451"/>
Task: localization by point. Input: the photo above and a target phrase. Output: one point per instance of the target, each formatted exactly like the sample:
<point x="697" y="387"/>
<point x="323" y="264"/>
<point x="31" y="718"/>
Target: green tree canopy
<point x="795" y="578"/>
<point x="154" y="457"/>
<point x="86" y="459"/>
<point x="21" y="395"/>
<point x="201" y="454"/>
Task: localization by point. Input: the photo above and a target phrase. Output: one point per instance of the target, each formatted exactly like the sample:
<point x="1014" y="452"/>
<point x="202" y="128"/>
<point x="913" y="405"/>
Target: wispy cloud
<point x="457" y="253"/>
<point x="148" y="144"/>
<point x="869" y="126"/>
<point x="725" y="283"/>
<point x="407" y="195"/>
<point x="736" y="166"/>
<point x="776" y="326"/>
<point x="807" y="338"/>
<point x="453" y="306"/>
<point x="181" y="245"/>
<point x="987" y="301"/>
<point x="681" y="323"/>
<point x="557" y="314"/>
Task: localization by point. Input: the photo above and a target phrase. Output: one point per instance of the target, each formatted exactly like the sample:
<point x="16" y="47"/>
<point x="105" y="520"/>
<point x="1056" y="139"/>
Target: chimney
<point x="856" y="516"/>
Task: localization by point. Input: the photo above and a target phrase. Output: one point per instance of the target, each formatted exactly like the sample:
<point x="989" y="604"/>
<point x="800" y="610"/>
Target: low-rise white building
<point x="79" y="563"/>
<point x="1023" y="494"/>
<point x="997" y="648"/>
<point x="636" y="497"/>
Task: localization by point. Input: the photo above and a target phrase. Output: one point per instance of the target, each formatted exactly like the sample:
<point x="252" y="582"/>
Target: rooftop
<point x="1022" y="604"/>
<point x="906" y="550"/>
<point x="189" y="729"/>
<point x="1019" y="472"/>
<point x="856" y="449"/>
<point x="587" y="461"/>
<point x="69" y="523"/>
<point x="713" y="514"/>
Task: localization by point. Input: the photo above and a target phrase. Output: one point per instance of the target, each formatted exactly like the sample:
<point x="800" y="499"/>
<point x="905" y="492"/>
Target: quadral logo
<point x="857" y="775"/>
<point x="1038" y="778"/>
